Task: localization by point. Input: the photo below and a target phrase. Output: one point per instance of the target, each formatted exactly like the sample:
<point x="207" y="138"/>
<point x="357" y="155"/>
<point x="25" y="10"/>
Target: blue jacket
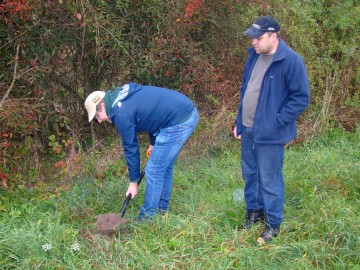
<point x="146" y="109"/>
<point x="284" y="95"/>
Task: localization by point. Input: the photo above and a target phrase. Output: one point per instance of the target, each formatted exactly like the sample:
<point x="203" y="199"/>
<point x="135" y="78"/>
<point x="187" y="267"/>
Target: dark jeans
<point x="262" y="172"/>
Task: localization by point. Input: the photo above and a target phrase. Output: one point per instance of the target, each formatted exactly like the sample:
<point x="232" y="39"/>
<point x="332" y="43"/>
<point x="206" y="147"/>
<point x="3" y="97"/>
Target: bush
<point x="68" y="49"/>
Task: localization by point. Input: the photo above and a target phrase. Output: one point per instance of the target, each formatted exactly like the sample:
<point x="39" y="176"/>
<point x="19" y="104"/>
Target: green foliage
<point x="203" y="229"/>
<point x="56" y="147"/>
<point x="70" y="48"/>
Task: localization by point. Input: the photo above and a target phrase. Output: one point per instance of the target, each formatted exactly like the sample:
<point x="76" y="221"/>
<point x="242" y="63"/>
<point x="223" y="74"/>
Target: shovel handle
<point x="128" y="197"/>
<point x="126" y="202"/>
<point x="141" y="176"/>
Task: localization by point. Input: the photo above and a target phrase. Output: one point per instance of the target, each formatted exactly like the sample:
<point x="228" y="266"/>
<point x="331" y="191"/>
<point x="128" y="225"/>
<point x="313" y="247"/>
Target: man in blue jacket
<point x="274" y="92"/>
<point x="167" y="115"/>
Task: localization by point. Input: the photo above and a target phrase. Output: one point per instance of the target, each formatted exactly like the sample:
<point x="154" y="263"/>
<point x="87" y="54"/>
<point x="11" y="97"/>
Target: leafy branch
<point x="14" y="78"/>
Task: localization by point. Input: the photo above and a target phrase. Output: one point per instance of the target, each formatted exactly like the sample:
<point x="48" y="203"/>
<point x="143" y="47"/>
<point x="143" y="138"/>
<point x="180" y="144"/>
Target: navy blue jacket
<point x="146" y="109"/>
<point x="284" y="95"/>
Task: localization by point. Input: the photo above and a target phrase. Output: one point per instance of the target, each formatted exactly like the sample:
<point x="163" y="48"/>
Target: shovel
<point x="110" y="221"/>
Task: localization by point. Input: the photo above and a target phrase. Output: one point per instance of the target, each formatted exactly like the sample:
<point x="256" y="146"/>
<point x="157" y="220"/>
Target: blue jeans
<point x="261" y="166"/>
<point x="160" y="166"/>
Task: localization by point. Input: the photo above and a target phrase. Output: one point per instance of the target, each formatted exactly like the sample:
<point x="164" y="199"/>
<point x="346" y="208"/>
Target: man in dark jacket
<point x="167" y="115"/>
<point x="274" y="92"/>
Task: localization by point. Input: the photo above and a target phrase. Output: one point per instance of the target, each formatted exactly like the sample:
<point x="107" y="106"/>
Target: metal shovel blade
<point x="109" y="221"/>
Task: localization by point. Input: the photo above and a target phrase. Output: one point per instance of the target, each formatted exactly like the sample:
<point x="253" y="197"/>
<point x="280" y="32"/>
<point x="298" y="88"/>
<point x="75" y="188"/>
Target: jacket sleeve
<point x="299" y="92"/>
<point x="239" y="117"/>
<point x="127" y="129"/>
<point x="244" y="81"/>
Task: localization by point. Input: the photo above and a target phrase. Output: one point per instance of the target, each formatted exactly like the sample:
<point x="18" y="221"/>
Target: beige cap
<point x="91" y="101"/>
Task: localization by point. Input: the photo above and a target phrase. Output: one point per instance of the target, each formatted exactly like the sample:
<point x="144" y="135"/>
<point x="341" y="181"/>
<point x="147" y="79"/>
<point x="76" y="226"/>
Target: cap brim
<point x="91" y="116"/>
<point x="254" y="33"/>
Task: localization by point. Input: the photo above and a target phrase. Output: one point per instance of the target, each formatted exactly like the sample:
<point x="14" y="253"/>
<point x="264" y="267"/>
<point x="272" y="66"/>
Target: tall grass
<point x="203" y="229"/>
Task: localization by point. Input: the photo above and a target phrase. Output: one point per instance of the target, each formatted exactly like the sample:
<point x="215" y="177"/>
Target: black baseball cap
<point x="261" y="26"/>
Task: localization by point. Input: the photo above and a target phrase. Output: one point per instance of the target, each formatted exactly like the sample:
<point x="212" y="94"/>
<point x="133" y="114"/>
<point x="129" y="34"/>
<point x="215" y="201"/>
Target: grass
<point x="203" y="228"/>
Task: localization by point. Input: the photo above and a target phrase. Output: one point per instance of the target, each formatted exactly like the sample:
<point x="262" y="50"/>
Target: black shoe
<point x="268" y="234"/>
<point x="254" y="216"/>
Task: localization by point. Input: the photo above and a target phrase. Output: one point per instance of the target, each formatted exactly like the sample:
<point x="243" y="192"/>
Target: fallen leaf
<point x="260" y="241"/>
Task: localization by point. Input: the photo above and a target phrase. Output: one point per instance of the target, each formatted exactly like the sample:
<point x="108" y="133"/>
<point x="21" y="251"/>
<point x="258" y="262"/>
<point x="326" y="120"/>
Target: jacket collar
<point x="109" y="98"/>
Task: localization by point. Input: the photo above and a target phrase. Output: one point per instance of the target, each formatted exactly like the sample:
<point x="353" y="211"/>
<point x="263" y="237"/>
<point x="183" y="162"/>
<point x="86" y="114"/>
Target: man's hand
<point x="235" y="134"/>
<point x="133" y="189"/>
<point x="149" y="150"/>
